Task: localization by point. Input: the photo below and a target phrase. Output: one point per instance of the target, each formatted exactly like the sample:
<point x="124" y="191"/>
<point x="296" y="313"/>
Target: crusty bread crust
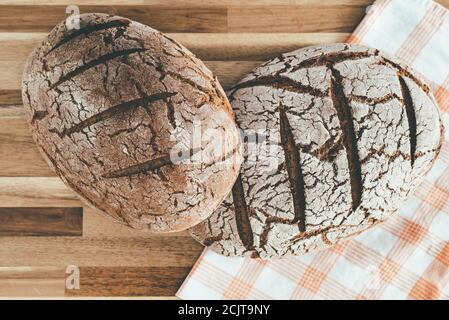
<point x="108" y="104"/>
<point x="357" y="131"/>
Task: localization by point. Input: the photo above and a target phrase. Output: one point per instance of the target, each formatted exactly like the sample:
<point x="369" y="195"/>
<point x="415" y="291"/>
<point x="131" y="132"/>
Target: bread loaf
<point x="131" y="121"/>
<point x="352" y="132"/>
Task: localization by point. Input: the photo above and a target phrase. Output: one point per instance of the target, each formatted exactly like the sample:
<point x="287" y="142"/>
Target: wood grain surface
<point x="41" y="221"/>
<point x="44" y="227"/>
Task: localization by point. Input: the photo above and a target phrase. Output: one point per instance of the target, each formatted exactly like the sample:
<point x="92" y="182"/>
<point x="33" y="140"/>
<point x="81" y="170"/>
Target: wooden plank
<point x="119" y="261"/>
<point x="104" y="242"/>
<point x="228" y="55"/>
<point x="197" y="3"/>
<point x="251" y="46"/>
<point x="32" y="282"/>
<point x="129" y="281"/>
<point x="185" y="3"/>
<point x="52" y="192"/>
<point x="311" y="18"/>
<point x="16" y="46"/>
<point x="156" y="265"/>
<point x="98" y="224"/>
<point x="46" y="192"/>
<point x="19" y="156"/>
<point x="12" y="111"/>
<point x="36" y="192"/>
<point x="41" y="221"/>
<point x="228" y="72"/>
<point x="40" y="18"/>
<point x="305" y="17"/>
<point x="9" y="97"/>
<point x="94" y="281"/>
<point x="142" y="251"/>
<point x="71" y="2"/>
<point x="11" y="75"/>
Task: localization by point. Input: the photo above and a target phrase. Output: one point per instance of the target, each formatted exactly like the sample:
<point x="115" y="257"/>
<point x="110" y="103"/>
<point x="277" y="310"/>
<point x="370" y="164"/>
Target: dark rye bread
<point x="353" y="133"/>
<point x="114" y="104"/>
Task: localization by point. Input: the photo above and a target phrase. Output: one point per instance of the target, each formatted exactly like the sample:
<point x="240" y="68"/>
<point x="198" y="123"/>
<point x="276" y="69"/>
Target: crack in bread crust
<point x="411" y="117"/>
<point x="332" y="59"/>
<point x="242" y="215"/>
<point x="149" y="165"/>
<point x="349" y="139"/>
<point x="114" y="111"/>
<point x="85" y="31"/>
<point x="293" y="163"/>
<point x="279" y="82"/>
<point x="93" y="63"/>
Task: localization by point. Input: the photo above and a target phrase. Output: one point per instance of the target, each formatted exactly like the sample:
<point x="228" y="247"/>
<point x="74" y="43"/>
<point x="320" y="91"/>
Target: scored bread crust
<point x="107" y="105"/>
<point x="353" y="132"/>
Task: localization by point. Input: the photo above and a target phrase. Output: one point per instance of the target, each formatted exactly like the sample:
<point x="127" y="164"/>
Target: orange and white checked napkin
<point x="406" y="257"/>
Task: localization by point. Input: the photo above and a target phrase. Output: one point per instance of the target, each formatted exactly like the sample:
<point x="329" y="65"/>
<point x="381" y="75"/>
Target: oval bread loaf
<point x="114" y="108"/>
<point x="344" y="135"/>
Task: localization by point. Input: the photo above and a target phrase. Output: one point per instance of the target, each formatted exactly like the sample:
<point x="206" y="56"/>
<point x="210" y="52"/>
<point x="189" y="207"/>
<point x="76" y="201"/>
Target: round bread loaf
<point x="338" y="136"/>
<point x="132" y="121"/>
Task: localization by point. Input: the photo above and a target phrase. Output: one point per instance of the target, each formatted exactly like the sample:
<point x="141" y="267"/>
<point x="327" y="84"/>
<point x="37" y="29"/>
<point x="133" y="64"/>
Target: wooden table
<point x="36" y="246"/>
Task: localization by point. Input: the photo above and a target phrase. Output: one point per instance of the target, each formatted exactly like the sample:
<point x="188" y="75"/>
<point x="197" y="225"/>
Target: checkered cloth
<point x="406" y="257"/>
